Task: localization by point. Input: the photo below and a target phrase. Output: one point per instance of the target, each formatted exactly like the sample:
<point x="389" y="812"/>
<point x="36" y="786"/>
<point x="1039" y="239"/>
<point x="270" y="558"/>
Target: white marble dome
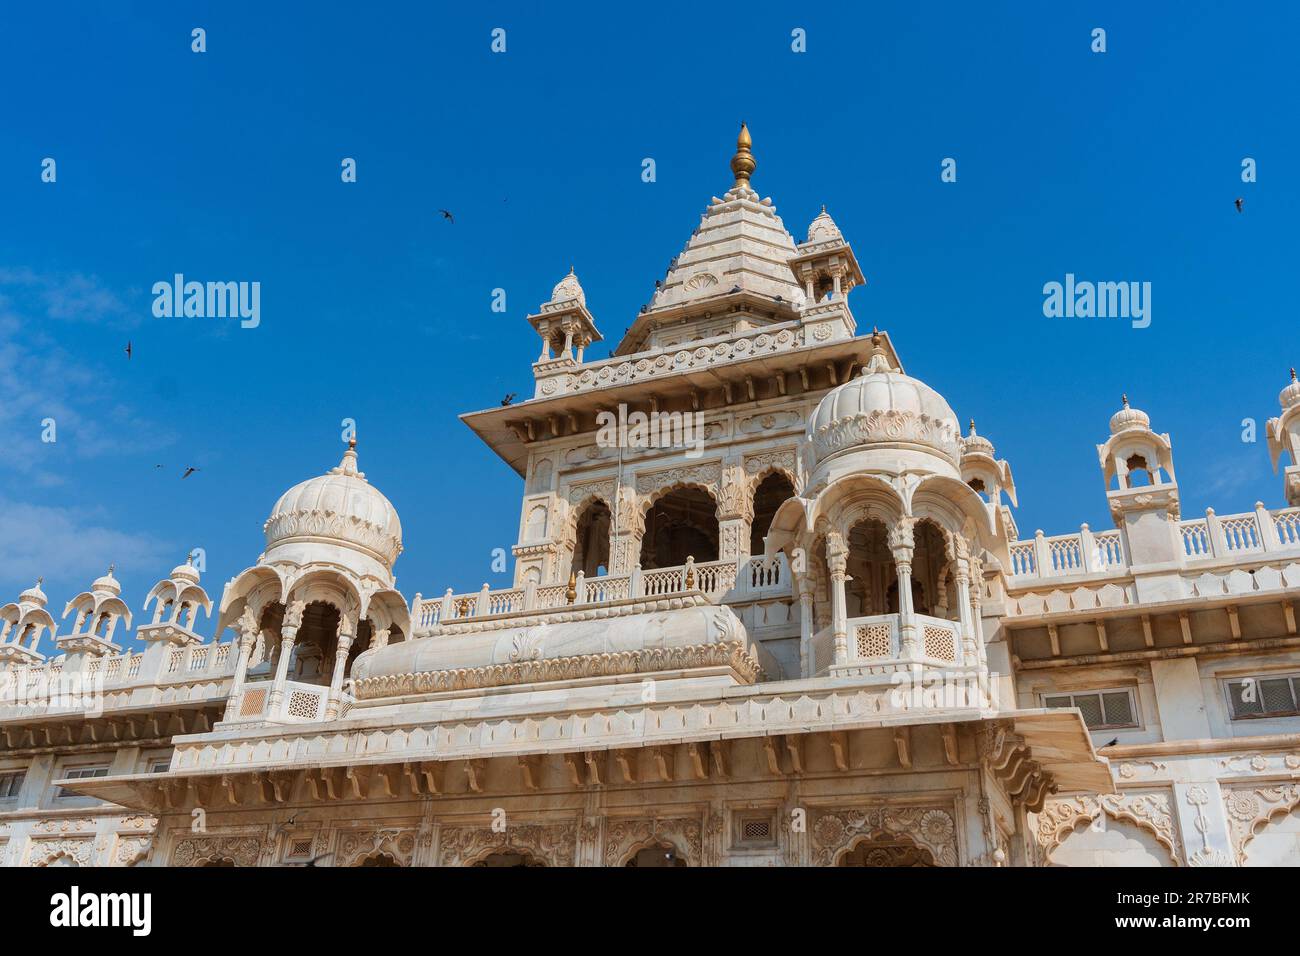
<point x="568" y="288"/>
<point x="1290" y="395"/>
<point x="337" y="508"/>
<point x="883" y="408"/>
<point x="33" y="595"/>
<point x="1128" y="417"/>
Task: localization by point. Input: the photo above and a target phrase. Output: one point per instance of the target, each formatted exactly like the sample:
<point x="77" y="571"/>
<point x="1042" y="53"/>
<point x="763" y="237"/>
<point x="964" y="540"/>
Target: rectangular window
<point x="1101" y="709"/>
<point x="80" y="773"/>
<point x="160" y="764"/>
<point x="1266" y="695"/>
<point x="11" y="782"/>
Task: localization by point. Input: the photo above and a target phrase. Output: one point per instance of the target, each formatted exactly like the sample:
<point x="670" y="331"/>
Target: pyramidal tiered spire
<point x="740" y="245"/>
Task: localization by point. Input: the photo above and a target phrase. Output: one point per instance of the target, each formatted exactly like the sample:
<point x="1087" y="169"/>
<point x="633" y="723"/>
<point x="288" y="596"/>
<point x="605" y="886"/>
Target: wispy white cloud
<point x="65" y="543"/>
<point x="40" y="379"/>
<point x="71" y="297"/>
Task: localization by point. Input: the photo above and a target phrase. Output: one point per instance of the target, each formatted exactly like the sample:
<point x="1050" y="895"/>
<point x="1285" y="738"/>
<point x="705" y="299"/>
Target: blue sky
<point x="225" y="166"/>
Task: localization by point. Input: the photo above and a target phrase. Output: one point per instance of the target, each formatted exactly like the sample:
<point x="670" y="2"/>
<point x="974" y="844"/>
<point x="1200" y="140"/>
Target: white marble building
<point x="770" y="607"/>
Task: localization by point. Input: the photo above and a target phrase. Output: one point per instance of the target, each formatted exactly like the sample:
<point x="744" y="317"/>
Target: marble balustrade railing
<point x="1213" y="536"/>
<point x="749" y="578"/>
<point x="178" y="665"/>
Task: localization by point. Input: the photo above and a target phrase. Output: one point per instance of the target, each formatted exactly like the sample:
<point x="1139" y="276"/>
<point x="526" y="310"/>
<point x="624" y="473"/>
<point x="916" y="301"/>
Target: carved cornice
<point x="733" y="654"/>
<point x="618" y="372"/>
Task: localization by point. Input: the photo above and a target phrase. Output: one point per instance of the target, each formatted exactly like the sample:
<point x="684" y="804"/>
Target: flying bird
<point x="128" y="350"/>
<point x="448" y="216"/>
<point x="1239" y="203"/>
<point x="313" y="860"/>
<point x="188" y="472"/>
<point x="510" y="397"/>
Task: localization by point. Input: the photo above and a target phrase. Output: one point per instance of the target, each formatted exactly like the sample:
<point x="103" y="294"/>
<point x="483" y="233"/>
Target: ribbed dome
<point x="976" y="444"/>
<point x="1291" y="394"/>
<point x="33" y="595"/>
<point x="882" y="406"/>
<point x="1127" y="418"/>
<point x="107" y="583"/>
<point x="339" y="507"/>
<point x="185" y="572"/>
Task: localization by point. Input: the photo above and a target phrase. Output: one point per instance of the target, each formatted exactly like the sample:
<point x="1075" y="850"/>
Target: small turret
<point x="564" y="324"/>
<point x="21" y="626"/>
<point x="177" y="600"/>
<point x="1138" y="465"/>
<point x="97" y="614"/>
<point x="989" y="476"/>
<point x="828" y="271"/>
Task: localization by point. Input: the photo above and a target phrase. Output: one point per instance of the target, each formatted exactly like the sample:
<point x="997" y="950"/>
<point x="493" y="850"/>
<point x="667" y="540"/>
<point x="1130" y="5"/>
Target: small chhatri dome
<point x="1290" y="396"/>
<point x="107" y="583"/>
<point x="568" y="288"/>
<point x="185" y="572"/>
<point x="34" y="595"/>
<point x="823" y="228"/>
<point x="883" y="407"/>
<point x="337" y="508"/>
<point x="975" y="442"/>
<point x="743" y="163"/>
<point x="1127" y="418"/>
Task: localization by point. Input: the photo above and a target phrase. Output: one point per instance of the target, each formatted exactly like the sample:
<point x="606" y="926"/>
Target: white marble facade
<point x="770" y="606"/>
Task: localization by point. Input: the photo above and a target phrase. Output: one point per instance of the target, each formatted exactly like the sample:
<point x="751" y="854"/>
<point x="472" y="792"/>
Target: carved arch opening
<point x="773" y="489"/>
<point x="680" y="522"/>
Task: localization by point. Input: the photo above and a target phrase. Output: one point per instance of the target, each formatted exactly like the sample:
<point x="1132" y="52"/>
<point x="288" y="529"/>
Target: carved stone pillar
<point x="902" y="544"/>
<point x="968" y="649"/>
<point x="288" y="634"/>
<point x="837" y="554"/>
<point x="977" y="615"/>
<point x="807" y="586"/>
<point x="626" y="534"/>
<point x="247" y="638"/>
<point x="735" y="515"/>
<point x="346" y="634"/>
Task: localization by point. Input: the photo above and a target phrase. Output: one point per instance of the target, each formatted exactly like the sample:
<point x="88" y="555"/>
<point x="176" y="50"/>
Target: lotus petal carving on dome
<point x="887" y="425"/>
<point x="330" y="524"/>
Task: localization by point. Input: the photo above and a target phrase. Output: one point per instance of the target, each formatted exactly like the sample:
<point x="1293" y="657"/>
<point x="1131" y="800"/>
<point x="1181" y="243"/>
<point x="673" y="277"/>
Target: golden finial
<point x="743" y="164"/>
<point x="40" y="580"/>
<point x="111" y="567"/>
<point x="1293" y="373"/>
<point x="1124" y="398"/>
<point x="972" y="426"/>
<point x="571" y="594"/>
